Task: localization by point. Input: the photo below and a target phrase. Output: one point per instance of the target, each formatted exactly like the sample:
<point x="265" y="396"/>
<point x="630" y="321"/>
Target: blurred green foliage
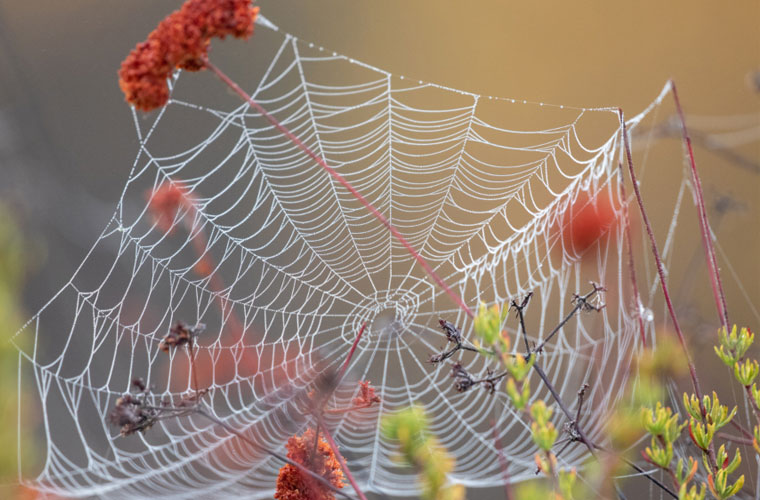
<point x="12" y="270"/>
<point x="422" y="450"/>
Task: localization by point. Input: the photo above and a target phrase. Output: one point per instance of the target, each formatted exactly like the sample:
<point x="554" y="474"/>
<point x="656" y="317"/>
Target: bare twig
<point x="672" y="128"/>
<point x="321" y="410"/>
<point x="581" y="302"/>
<point x="520" y="313"/>
<point x="658" y="259"/>
<point x="463" y="381"/>
<point x="453" y="334"/>
<point x="641" y="471"/>
<point x="735" y="439"/>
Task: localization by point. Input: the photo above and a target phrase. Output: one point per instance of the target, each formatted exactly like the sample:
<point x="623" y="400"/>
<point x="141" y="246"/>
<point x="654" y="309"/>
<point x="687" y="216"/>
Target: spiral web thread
<point x="477" y="184"/>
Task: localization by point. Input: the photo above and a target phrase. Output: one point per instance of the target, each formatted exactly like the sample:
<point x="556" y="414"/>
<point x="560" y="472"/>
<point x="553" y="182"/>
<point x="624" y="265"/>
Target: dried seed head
<point x="180" y="335"/>
<point x="366" y="396"/>
<point x="453" y="334"/>
<point x="130" y="413"/>
<point x="462" y="380"/>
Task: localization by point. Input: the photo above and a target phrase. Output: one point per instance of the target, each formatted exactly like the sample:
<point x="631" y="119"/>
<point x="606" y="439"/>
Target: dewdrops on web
<point x="181" y="40"/>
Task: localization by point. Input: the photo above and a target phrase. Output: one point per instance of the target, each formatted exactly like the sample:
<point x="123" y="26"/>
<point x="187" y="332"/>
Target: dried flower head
<point x="462" y="379"/>
<point x="181" y="40"/>
<point x="366" y="395"/>
<point x="181" y="334"/>
<point x="132" y="413"/>
<point x="453" y="333"/>
<point x="292" y="484"/>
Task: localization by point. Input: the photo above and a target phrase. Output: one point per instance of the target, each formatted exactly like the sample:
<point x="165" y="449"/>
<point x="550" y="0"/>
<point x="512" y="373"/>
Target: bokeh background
<point x="67" y="139"/>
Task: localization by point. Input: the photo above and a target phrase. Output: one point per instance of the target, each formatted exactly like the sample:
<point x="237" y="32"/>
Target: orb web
<point x="283" y="266"/>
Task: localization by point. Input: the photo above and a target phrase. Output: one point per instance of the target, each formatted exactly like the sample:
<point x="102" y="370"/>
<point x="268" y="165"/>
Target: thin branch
<point x="641" y="471"/>
<point x="344" y="368"/>
<point x="319" y="412"/>
<point x="741" y="428"/>
<point x="658" y="259"/>
<point x="703" y="139"/>
<point x="752" y="404"/>
<point x="629" y="251"/>
<point x="581" y="395"/>
<point x="581" y="302"/>
<point x="562" y="406"/>
<point x="339" y="378"/>
<point x="463" y="381"/>
<point x="453" y="334"/>
<point x="735" y="439"/>
<point x="342" y="462"/>
<point x="520" y="307"/>
<point x="520" y="314"/>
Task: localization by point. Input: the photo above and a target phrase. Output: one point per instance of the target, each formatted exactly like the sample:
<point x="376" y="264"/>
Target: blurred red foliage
<point x="587" y="220"/>
<point x="165" y="202"/>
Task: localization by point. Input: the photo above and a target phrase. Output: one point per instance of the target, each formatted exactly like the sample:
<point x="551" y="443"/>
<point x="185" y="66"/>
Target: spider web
<point x="477" y="184"/>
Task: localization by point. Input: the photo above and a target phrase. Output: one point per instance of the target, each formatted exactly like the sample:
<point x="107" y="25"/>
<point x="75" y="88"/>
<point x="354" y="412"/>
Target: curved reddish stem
<point x="704" y="225"/>
<point x="341" y="461"/>
<point x="629" y="250"/>
<point x="351" y="352"/>
<point x="663" y="283"/>
<point x="658" y="258"/>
